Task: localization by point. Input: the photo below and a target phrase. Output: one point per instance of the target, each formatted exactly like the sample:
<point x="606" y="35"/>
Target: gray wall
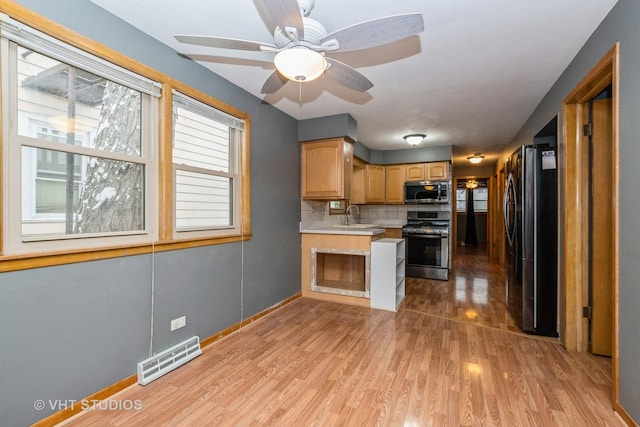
<point x="621" y="25"/>
<point x="345" y="125"/>
<point x="71" y="330"/>
<point x="335" y="126"/>
<point x="408" y="155"/>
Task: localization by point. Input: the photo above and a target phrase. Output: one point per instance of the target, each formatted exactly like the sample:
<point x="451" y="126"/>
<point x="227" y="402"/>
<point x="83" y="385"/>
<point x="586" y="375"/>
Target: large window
<point x="76" y="146"/>
<point x="93" y="166"/>
<point x="206" y="175"/>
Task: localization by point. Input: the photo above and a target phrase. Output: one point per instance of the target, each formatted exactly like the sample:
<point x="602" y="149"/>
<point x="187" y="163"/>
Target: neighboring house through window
<point x="77" y="146"/>
<point x="206" y="149"/>
<point x="91" y="162"/>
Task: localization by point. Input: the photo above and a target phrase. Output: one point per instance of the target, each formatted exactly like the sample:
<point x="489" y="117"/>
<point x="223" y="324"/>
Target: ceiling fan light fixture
<point x="414" y="139"/>
<point x="475" y="159"/>
<point x="471" y="184"/>
<point x="300" y="64"/>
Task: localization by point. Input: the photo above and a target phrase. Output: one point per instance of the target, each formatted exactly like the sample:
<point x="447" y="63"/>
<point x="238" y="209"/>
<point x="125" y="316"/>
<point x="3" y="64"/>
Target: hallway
<point x="474" y="293"/>
<point x="450" y="356"/>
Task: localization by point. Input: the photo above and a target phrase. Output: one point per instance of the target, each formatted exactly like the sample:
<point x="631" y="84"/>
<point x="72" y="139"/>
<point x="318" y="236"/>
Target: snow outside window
<point x="77" y="157"/>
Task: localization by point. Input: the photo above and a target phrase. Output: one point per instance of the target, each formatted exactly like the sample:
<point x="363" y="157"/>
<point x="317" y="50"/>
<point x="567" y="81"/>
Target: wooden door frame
<point x="496" y="196"/>
<point x="575" y="219"/>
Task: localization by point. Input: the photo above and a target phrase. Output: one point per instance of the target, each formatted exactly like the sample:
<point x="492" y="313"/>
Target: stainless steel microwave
<point x="427" y="191"/>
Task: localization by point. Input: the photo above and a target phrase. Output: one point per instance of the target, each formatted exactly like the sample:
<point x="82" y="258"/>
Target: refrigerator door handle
<point x="509" y="198"/>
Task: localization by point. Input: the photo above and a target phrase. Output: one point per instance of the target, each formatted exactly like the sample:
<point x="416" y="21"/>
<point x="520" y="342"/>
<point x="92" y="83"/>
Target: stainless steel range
<point x="427" y="236"/>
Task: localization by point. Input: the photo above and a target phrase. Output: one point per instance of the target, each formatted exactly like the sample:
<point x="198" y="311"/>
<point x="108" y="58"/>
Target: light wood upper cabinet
<point x="415" y="172"/>
<point x="394" y="184"/>
<point x="433" y="171"/>
<point x="358" y="196"/>
<point x="326" y="169"/>
<point x="374" y="183"/>
<point x="437" y="171"/>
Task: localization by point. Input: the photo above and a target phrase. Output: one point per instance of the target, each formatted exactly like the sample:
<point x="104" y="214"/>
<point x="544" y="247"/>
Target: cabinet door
<point x="437" y="170"/>
<point x="374" y="183"/>
<point x="358" y="196"/>
<point x="394" y="184"/>
<point x="324" y="169"/>
<point x="415" y="172"/>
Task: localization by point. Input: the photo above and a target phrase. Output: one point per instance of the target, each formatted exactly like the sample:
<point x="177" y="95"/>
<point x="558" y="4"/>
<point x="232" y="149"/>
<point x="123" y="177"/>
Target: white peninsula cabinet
<point x="387" y="273"/>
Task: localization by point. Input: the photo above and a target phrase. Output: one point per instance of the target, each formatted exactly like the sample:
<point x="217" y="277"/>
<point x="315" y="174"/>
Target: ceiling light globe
<point x="414" y="139"/>
<point x="475" y="159"/>
<point x="300" y="64"/>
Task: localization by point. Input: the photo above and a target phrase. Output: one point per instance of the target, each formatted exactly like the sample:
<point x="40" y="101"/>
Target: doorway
<point x="472" y="215"/>
<point x="580" y="221"/>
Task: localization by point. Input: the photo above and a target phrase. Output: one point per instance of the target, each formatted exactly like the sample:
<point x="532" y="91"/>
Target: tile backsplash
<point x="318" y="211"/>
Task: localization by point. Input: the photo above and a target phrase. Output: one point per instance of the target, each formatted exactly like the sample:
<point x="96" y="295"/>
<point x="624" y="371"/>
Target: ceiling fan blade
<point x="224" y="43"/>
<point x="284" y="13"/>
<point x="377" y="32"/>
<point x="273" y="83"/>
<point x="347" y="76"/>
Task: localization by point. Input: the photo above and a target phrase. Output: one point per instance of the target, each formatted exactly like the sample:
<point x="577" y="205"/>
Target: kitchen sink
<point x="357" y="226"/>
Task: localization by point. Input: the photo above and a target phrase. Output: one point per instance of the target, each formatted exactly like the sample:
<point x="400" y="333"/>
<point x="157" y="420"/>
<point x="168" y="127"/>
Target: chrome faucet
<point x="348" y="212"/>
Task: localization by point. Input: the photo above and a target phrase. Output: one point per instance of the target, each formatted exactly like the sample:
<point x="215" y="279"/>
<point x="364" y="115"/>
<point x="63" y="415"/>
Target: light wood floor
<point x="451" y="356"/>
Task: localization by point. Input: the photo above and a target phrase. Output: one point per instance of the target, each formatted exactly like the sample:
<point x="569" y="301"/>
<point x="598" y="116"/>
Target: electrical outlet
<point x="178" y="323"/>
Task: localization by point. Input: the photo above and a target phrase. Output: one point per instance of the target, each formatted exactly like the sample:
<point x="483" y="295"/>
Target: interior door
<point x="602" y="181"/>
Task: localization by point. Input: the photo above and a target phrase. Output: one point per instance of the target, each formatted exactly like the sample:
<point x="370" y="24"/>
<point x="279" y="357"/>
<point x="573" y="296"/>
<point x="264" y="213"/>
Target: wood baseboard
<point x="626" y="417"/>
<point x="69" y="412"/>
<point x="109" y="391"/>
<point x="213" y="338"/>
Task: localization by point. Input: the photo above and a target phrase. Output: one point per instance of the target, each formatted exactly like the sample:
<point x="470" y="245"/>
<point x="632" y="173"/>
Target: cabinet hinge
<point x="587" y="129"/>
<point x="587" y="312"/>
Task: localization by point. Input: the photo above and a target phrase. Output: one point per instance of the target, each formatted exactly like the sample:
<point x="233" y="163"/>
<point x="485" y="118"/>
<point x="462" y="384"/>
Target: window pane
<point x="461" y="200"/>
<point x="480" y="205"/>
<point x="480" y="196"/>
<point x="76" y="194"/>
<point x="75" y="102"/>
<point x="200" y="142"/>
<point x="202" y="201"/>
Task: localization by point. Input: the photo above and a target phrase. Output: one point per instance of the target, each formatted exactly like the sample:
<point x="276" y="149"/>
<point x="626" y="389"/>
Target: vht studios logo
<point x="88" y="405"/>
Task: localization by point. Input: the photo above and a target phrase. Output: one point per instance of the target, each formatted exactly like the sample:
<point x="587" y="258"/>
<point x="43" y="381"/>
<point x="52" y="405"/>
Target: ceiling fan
<point x="300" y="43"/>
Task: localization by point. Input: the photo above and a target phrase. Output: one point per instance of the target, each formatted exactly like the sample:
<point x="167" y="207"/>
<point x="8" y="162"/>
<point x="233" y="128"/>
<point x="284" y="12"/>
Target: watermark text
<point x="88" y="405"/>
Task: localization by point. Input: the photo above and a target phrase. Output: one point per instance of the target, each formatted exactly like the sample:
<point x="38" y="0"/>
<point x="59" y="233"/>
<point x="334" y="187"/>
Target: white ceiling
<point x="470" y="80"/>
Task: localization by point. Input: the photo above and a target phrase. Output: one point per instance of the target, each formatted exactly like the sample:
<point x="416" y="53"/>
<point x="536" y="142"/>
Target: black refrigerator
<point x="530" y="217"/>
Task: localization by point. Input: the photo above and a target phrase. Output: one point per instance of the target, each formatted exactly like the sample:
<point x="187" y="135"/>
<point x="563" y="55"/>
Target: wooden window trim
<point x="164" y="199"/>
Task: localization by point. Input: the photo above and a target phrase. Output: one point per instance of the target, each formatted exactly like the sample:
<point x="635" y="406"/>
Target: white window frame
<point x="236" y="135"/>
<point x="464" y="210"/>
<point x="30" y="176"/>
<point x="13" y="241"/>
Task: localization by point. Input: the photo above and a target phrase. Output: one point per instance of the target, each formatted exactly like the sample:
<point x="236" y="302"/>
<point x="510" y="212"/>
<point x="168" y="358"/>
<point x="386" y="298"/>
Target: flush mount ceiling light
<point x="472" y="184"/>
<point x="300" y="64"/>
<point x="475" y="159"/>
<point x="415" y="139"/>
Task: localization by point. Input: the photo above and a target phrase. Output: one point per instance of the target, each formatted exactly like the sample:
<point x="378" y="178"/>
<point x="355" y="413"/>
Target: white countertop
<point x="344" y="230"/>
<point x="354" y="229"/>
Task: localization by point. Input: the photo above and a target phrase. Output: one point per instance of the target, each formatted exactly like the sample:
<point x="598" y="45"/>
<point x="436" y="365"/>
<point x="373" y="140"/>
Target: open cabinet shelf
<point x="387" y="273"/>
